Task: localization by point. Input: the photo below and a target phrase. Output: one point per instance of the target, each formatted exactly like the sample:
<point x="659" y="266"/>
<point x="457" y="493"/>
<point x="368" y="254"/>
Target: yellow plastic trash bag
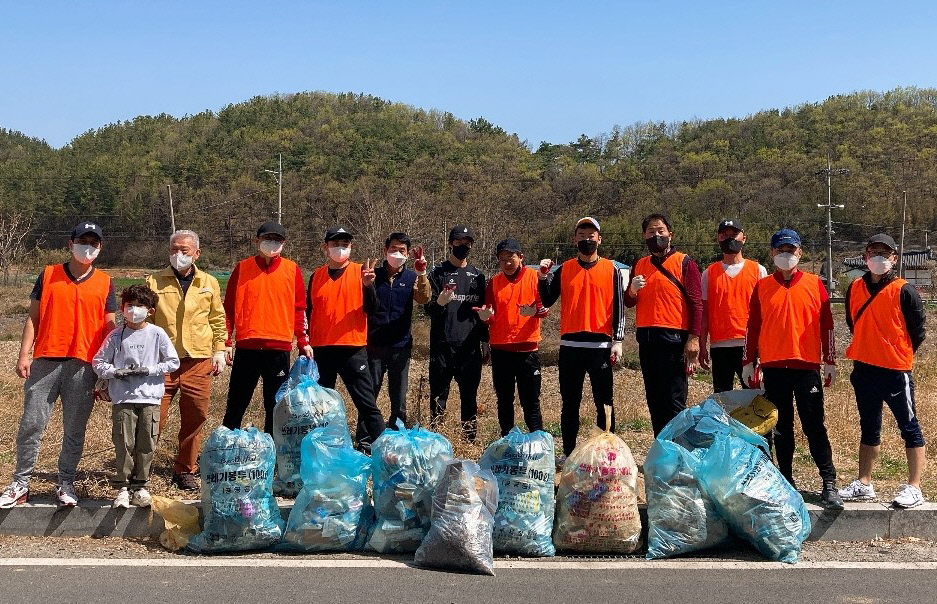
<point x="761" y="416"/>
<point x="180" y="519"/>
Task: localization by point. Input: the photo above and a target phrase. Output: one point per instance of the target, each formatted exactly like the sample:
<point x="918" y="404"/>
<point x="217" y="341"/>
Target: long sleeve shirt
<point x="390" y="323"/>
<point x="911" y="307"/>
<point x="456" y="323"/>
<point x="550" y="290"/>
<point x="692" y="283"/>
<point x="126" y="348"/>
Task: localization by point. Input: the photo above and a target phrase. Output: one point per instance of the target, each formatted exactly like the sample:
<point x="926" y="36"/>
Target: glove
<point x="127" y="372"/>
<point x="445" y="296"/>
<point x="484" y="312"/>
<point x="637" y="283"/>
<point x="218" y="362"/>
<point x="307" y="351"/>
<point x="528" y="310"/>
<point x="751" y="375"/>
<point x="419" y="262"/>
<point x="545" y="265"/>
<point x="829" y="375"/>
<point x="616" y="353"/>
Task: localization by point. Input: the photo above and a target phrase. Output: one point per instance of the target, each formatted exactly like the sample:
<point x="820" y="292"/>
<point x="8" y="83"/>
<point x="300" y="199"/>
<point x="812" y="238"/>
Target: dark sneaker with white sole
<point x="185" y="481"/>
<point x="829" y="496"/>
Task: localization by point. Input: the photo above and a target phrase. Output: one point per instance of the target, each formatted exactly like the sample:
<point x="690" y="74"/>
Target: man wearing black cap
<point x="456" y="331"/>
<point x="727" y="287"/>
<point x="341" y="296"/>
<point x="886" y="317"/>
<point x="72" y="309"/>
<point x="265" y="308"/>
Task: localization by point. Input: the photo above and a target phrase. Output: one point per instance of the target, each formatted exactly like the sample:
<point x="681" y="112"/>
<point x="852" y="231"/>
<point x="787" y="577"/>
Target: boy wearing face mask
<point x="72" y="308"/>
<point x="592" y="326"/>
<point x="457" y="334"/>
<point x="665" y="288"/>
<point x="190" y="311"/>
<point x="886" y="318"/>
<point x="134" y="358"/>
<point x="389" y="336"/>
<point x="790" y="332"/>
<point x="265" y="309"/>
<point x="340" y="299"/>
<point x="727" y="287"/>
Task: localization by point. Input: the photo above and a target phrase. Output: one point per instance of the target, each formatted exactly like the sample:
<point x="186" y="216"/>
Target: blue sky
<point x="545" y="70"/>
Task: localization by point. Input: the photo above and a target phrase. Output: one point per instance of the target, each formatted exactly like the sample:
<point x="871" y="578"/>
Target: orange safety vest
<point x="338" y="317"/>
<point x="879" y="336"/>
<point x="587" y="296"/>
<point x="507" y="326"/>
<point x="660" y="302"/>
<point x="790" y="320"/>
<point x="265" y="302"/>
<point x="71" y="315"/>
<point x="728" y="299"/>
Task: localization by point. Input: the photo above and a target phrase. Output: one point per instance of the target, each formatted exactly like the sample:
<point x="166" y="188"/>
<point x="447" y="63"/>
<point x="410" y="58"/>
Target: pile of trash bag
<point x="596" y="503"/>
<point x="332" y="511"/>
<point x="525" y="467"/>
<point x="464" y="504"/>
<point x="406" y="465"/>
<point x="303" y="405"/>
<point x="240" y="512"/>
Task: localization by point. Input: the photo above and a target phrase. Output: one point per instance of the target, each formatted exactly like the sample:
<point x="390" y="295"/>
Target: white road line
<point x="636" y="564"/>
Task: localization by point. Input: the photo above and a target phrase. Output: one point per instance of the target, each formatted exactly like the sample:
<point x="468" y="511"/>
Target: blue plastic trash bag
<point x="302" y="405"/>
<point x="697" y="427"/>
<point x="596" y="502"/>
<point x="755" y="499"/>
<point x="525" y="467"/>
<point x="332" y="511"/>
<point x="240" y="511"/>
<point x="464" y="505"/>
<point x="681" y="518"/>
<point x="406" y="466"/>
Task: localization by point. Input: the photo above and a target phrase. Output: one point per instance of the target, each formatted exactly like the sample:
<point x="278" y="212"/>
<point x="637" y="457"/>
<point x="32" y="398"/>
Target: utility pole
<point x="904" y="213"/>
<point x="829" y="172"/>
<point x="278" y="174"/>
<point x="172" y="212"/>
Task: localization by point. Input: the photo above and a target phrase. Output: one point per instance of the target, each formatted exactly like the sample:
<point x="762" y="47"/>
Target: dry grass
<point x="633" y="420"/>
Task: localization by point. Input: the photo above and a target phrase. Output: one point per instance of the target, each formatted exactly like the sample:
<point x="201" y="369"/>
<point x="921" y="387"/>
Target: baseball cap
<point x="338" y="232"/>
<point x="730" y="223"/>
<point x="884" y="240"/>
<point x="785" y="237"/>
<point x="271" y="228"/>
<point x="459" y="231"/>
<point x="588" y="221"/>
<point x="508" y="245"/>
<point x="83" y="228"/>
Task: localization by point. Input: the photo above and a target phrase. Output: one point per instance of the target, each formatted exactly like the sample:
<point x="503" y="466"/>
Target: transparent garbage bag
<point x="697" y="427"/>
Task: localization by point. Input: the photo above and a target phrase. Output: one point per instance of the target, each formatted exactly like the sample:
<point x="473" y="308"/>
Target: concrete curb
<point x="96" y="518"/>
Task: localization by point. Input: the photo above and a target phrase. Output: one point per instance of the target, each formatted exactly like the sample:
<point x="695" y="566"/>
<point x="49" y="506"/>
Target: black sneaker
<point x="829" y="496"/>
<point x="186" y="481"/>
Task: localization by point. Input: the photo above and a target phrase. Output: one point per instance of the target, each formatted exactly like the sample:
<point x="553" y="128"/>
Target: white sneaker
<point x="66" y="494"/>
<point x="123" y="498"/>
<point x="141" y="498"/>
<point x="857" y="491"/>
<point x="909" y="496"/>
<point x="14" y="494"/>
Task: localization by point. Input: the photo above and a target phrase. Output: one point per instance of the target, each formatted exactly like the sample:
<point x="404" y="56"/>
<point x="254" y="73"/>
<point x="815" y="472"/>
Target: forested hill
<point x="378" y="166"/>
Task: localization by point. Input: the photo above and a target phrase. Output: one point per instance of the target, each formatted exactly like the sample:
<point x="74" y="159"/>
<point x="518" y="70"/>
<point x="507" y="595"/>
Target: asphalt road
<point x="252" y="583"/>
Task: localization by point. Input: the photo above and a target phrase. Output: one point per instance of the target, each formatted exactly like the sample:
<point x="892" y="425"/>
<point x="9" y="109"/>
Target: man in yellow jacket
<point x="190" y="311"/>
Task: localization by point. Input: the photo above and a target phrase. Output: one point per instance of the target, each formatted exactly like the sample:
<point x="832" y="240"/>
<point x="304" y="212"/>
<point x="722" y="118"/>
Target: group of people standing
<point x="355" y="320"/>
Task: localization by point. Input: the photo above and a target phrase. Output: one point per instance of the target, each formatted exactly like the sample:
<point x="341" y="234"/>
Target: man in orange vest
<point x="265" y="308"/>
<point x="790" y="331"/>
<point x="886" y="317"/>
<point x="341" y="296"/>
<point x="71" y="310"/>
<point x="727" y="288"/>
<point x="666" y="291"/>
<point x="592" y="325"/>
<point x="513" y="314"/>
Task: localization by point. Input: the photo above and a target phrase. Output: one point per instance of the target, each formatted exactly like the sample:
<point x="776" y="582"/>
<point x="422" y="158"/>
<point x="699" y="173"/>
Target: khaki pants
<point x="135" y="432"/>
<point x="193" y="383"/>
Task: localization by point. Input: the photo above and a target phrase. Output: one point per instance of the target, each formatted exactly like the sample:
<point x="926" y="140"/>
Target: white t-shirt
<point x="732" y="271"/>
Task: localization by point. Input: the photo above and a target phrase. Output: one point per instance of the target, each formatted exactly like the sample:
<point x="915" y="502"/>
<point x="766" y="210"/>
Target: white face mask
<point x="180" y="261"/>
<point x="878" y="265"/>
<point x="786" y="261"/>
<point x="135" y="314"/>
<point x="271" y="248"/>
<point x="85" y="253"/>
<point x="339" y="254"/>
<point x="396" y="259"/>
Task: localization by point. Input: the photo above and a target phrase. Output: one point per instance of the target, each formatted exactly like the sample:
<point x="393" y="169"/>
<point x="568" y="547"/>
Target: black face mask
<point x="730" y="246"/>
<point x="657" y="243"/>
<point x="587" y="246"/>
<point x="461" y="251"/>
